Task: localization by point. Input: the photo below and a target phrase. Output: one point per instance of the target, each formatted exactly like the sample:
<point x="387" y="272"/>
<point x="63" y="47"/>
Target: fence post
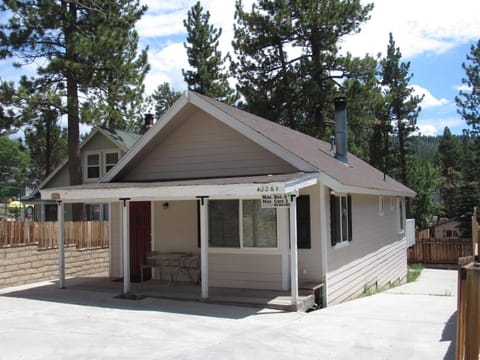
<point x="468" y="314"/>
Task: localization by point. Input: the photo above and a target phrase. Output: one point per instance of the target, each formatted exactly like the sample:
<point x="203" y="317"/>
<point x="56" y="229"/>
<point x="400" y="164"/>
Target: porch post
<point x="284" y="231"/>
<point x="126" y="245"/>
<point x="324" y="242"/>
<point x="204" y="244"/>
<point x="61" y="244"/>
<point x="293" y="250"/>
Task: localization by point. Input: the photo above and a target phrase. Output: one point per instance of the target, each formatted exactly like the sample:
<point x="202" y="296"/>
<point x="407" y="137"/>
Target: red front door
<point x="140" y="237"/>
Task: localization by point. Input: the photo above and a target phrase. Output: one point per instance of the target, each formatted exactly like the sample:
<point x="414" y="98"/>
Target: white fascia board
<point x="145" y="139"/>
<point x="256" y="137"/>
<point x="296" y="185"/>
<point x="150" y="193"/>
<point x="339" y="188"/>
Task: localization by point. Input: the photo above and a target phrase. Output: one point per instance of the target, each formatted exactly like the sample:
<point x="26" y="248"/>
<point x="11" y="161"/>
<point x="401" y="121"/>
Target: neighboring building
<point x="448" y="229"/>
<point x="99" y="152"/>
<point x="201" y="180"/>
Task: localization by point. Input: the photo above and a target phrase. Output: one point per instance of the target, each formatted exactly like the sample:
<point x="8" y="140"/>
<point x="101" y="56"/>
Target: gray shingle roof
<point x="316" y="152"/>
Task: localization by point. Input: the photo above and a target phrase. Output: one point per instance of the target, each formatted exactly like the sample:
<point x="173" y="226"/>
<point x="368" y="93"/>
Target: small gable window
<point x="93" y="166"/>
<point x="340" y="219"/>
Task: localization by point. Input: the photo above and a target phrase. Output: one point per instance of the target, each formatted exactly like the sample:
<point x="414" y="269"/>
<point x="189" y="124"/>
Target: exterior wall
<point x="27" y="264"/>
<point x="252" y="271"/>
<point x="176" y="229"/>
<point x="99" y="142"/>
<point x="116" y="270"/>
<point x="62" y="178"/>
<point x="202" y="147"/>
<point x="310" y="260"/>
<point x="376" y="256"/>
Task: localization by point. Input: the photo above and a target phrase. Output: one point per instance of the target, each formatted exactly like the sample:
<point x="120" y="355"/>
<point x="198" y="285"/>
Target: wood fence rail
<point x="439" y="251"/>
<point x="83" y="234"/>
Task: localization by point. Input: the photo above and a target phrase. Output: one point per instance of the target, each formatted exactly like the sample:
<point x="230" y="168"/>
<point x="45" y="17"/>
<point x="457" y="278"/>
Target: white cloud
<point x="166" y="66"/>
<point x="462" y="87"/>
<point x="432" y="127"/>
<point x="417" y="26"/>
<point x="429" y="101"/>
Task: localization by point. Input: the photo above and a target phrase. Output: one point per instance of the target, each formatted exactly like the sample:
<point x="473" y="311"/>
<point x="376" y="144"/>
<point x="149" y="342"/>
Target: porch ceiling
<point x="230" y="187"/>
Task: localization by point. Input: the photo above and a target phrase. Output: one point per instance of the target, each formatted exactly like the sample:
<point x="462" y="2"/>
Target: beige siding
<point x="99" y="142"/>
<point x="62" y="178"/>
<point x="175" y="228"/>
<point x="310" y="260"/>
<point x="375" y="257"/>
<point x="116" y="240"/>
<point x="253" y="271"/>
<point x="202" y="146"/>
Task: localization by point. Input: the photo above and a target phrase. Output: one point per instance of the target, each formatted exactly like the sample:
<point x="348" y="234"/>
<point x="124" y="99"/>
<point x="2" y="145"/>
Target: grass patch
<point x="414" y="272"/>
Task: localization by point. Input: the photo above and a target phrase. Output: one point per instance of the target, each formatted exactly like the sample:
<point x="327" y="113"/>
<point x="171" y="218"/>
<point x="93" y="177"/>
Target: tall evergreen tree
<point x="164" y="97"/>
<point x="207" y="75"/>
<point x="289" y="67"/>
<point x="450" y="167"/>
<point x="468" y="101"/>
<point x="80" y="42"/>
<point x="402" y="107"/>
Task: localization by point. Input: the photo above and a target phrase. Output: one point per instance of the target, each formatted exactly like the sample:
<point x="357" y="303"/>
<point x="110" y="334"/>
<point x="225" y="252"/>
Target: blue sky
<point x="433" y="35"/>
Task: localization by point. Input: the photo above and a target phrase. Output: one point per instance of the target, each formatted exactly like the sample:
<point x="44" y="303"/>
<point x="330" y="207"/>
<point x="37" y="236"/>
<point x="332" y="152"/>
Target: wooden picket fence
<point x="82" y="234"/>
<point x="439" y="251"/>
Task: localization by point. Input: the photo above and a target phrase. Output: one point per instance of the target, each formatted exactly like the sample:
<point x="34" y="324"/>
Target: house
<point x="449" y="228"/>
<point x="99" y="152"/>
<point x="264" y="206"/>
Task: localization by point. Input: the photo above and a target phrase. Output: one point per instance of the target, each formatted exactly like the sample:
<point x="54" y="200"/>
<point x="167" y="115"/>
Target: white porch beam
<point x="126" y="245"/>
<point x="293" y="251"/>
<point x="204" y="244"/>
<point x="61" y="244"/>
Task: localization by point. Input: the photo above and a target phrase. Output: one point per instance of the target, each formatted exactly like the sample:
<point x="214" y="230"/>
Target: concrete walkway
<point x="413" y="321"/>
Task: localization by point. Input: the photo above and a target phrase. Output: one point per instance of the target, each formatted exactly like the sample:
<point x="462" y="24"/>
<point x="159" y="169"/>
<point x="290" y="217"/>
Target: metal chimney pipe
<point x="341" y="139"/>
<point x="148" y="121"/>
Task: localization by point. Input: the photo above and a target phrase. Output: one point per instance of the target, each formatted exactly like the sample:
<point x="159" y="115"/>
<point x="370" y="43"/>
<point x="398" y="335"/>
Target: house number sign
<point x="275" y="201"/>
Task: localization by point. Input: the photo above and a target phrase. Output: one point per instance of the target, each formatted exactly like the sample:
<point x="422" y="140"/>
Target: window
<point x="381" y="205"/>
<point x="303" y="222"/>
<point x="99" y="163"/>
<point x="241" y="224"/>
<point x="93" y="166"/>
<point x="111" y="159"/>
<point x="340" y="219"/>
<point x="401" y="217"/>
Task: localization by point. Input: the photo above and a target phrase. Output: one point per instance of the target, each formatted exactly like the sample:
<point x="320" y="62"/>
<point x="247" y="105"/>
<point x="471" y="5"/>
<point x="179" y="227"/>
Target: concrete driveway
<point x="413" y="321"/>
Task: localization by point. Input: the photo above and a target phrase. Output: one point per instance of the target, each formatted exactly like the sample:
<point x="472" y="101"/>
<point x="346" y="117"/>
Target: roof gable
<point x="201" y="146"/>
<point x="301" y="151"/>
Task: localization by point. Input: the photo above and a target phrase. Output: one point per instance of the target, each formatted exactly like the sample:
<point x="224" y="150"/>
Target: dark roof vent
<point x="148" y="121"/>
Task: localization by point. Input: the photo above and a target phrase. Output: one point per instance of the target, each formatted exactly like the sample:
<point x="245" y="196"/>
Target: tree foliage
<point x="207" y="75"/>
<point x="14" y="163"/>
<point x="468" y="100"/>
<point x="83" y="45"/>
<point x="289" y="67"/>
<point x="164" y="97"/>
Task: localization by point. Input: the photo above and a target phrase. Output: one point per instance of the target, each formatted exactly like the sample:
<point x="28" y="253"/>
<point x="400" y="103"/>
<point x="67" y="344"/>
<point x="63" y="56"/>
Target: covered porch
<point x="270" y="299"/>
<point x="177" y="212"/>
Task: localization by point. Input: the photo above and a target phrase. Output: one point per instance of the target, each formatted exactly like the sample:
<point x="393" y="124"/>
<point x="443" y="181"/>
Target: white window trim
<point x="392" y="204"/>
<point x="342" y="243"/>
<point x="381" y="206"/>
<point x="102" y="154"/>
<point x="248" y="250"/>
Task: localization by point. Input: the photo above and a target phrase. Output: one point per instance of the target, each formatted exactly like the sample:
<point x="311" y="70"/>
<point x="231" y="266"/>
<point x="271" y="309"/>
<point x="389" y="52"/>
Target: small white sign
<point x="275" y="201"/>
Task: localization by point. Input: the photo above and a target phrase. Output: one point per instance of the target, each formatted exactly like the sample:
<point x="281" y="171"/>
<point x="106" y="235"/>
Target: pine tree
<point x="207" y="75"/>
<point x="164" y="97"/>
<point x="80" y="43"/>
<point x="289" y="67"/>
<point x="402" y="108"/>
<point x="449" y="155"/>
<point x="468" y="101"/>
